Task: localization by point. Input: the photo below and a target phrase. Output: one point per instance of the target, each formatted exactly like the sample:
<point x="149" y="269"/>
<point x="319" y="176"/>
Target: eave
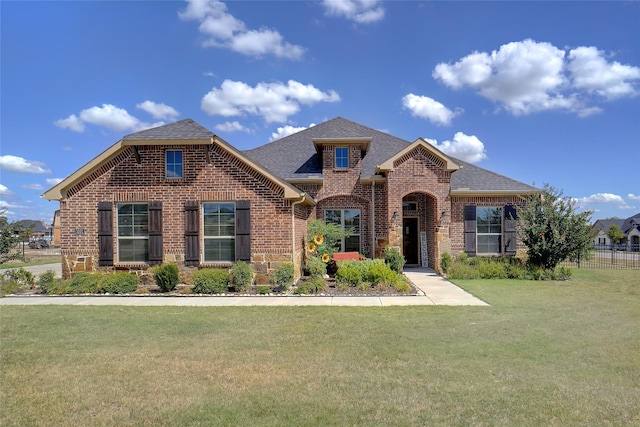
<point x="420" y="142"/>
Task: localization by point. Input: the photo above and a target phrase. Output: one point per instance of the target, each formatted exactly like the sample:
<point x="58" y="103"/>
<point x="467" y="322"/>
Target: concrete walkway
<point x="432" y="290"/>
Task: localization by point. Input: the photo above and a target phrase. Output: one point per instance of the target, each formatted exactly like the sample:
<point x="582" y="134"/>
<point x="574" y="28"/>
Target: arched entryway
<point x="419" y="222"/>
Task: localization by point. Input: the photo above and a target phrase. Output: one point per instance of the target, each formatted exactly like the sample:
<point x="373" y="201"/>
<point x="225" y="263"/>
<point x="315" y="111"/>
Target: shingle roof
<point x="604" y="224"/>
<point x="295" y="157"/>
<point x="183" y="129"/>
<point x="627" y="224"/>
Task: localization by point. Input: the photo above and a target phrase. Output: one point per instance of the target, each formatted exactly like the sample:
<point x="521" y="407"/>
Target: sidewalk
<point x="433" y="290"/>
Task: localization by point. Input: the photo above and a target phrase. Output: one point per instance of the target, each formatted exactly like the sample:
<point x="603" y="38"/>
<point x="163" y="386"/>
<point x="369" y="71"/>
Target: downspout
<point x="293" y="226"/>
<point x="373" y="218"/>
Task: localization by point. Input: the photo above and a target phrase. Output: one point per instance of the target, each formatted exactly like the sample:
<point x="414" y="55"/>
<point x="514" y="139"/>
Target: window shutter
<point x="105" y="233"/>
<point x="243" y="230"/>
<point x="191" y="233"/>
<point x="470" y="230"/>
<point x="510" y="219"/>
<point x="155" y="233"/>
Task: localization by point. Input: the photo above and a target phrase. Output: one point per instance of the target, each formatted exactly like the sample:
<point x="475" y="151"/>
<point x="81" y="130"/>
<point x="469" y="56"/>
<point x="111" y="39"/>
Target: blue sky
<point x="543" y="92"/>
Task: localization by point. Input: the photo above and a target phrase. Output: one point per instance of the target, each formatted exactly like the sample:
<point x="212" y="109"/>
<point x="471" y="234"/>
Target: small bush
<point x="462" y="258"/>
<point x="381" y="274"/>
<point x="490" y="269"/>
<point x="8" y="286"/>
<point x="241" y="276"/>
<point x="311" y="286"/>
<point x="445" y="262"/>
<point x="316" y="267"/>
<point x="22" y="277"/>
<point x="394" y="259"/>
<point x="167" y="276"/>
<point x="348" y="274"/>
<point x="210" y="281"/>
<point x="284" y="275"/>
<point x="263" y="289"/>
<point x="45" y="280"/>
<point x="59" y="287"/>
<point x="563" y="273"/>
<point x="119" y="283"/>
<point x="85" y="283"/>
<point x="402" y="285"/>
<point x="460" y="270"/>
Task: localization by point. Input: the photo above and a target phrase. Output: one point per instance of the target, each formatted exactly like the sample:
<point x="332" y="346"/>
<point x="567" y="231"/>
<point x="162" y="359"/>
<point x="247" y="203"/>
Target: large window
<point x="219" y="231"/>
<point x="489" y="229"/>
<point x="342" y="157"/>
<point x="173" y="169"/>
<point x="349" y="220"/>
<point x="133" y="232"/>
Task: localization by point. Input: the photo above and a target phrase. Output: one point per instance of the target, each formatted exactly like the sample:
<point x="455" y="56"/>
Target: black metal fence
<point x="609" y="256"/>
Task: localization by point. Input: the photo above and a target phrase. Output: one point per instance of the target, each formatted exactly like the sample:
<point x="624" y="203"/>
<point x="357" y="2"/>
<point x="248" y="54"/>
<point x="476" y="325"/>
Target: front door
<point x="410" y="246"/>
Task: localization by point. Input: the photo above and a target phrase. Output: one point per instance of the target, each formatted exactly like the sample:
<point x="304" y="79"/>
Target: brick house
<point x="179" y="193"/>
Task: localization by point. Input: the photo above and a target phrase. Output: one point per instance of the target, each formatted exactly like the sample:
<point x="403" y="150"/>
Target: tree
<point x="10" y="236"/>
<point x="552" y="230"/>
<point x="615" y="234"/>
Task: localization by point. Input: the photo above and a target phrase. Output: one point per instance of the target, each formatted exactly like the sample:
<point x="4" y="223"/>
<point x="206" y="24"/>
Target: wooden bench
<point x="346" y="256"/>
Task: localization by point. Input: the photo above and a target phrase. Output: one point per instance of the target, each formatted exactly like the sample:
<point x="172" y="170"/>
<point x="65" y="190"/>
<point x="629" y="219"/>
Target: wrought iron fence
<point x="609" y="256"/>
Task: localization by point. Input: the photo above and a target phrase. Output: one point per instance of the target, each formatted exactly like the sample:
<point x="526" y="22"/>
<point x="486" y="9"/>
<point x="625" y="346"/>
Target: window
<point x="489" y="223"/>
<point x="219" y="232"/>
<point x="348" y="219"/>
<point x="133" y="232"/>
<point x="342" y="157"/>
<point x="173" y="161"/>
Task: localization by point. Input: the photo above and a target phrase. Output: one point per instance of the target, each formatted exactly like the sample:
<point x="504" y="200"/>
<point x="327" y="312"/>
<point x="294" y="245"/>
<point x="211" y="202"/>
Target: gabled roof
<point x="36" y="226"/>
<point x="630" y="223"/>
<point x="183" y="132"/>
<point x="420" y="142"/>
<point x="604" y="224"/>
<point x="295" y="158"/>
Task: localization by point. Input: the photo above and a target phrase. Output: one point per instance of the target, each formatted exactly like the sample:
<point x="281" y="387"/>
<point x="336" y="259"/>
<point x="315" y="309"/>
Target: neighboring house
<point x="38" y="229"/>
<point x="56" y="228"/>
<point x="179" y="193"/>
<point x="630" y="227"/>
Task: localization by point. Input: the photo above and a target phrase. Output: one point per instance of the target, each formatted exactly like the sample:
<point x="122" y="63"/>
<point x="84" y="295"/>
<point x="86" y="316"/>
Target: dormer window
<point x="342" y="157"/>
<point x="173" y="164"/>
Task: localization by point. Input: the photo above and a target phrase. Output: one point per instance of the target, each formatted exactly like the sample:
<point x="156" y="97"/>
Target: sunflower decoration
<point x="311" y="247"/>
<point x="326" y="258"/>
<point x="318" y="239"/>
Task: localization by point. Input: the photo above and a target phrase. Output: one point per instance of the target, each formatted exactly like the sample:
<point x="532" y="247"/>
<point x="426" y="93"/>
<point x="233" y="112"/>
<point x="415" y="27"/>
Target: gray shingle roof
<point x="183" y="129"/>
<point x="295" y="157"/>
<point x="604" y="224"/>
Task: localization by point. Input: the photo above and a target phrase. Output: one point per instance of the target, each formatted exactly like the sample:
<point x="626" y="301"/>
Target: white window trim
<point x="118" y="237"/>
<point x="359" y="233"/>
<point x="500" y="234"/>
<point x="205" y="237"/>
<point x="335" y="158"/>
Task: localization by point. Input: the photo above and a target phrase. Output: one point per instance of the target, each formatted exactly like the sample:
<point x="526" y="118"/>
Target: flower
<point x="311" y="247"/>
<point x="325" y="258"/>
<point x="318" y="239"/>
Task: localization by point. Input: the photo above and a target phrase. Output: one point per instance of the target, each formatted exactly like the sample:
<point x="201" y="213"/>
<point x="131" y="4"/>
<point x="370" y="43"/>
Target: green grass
<point x="544" y="354"/>
<point x="31" y="262"/>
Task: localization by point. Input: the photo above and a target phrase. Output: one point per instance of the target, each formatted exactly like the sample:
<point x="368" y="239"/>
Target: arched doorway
<point x="419" y="229"/>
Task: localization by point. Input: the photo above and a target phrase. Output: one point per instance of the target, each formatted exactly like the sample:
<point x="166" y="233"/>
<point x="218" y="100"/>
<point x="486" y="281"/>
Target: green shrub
<point x="263" y="289"/>
<point x="402" y="284"/>
<point x="394" y="259"/>
<point x="316" y="267"/>
<point x="462" y="258"/>
<point x="491" y="269"/>
<point x="515" y="271"/>
<point x="461" y="270"/>
<point x="210" y="281"/>
<point x="348" y="274"/>
<point x="445" y="261"/>
<point x="45" y="280"/>
<point x="119" y="283"/>
<point x="311" y="286"/>
<point x="284" y="275"/>
<point x="85" y="283"/>
<point x="58" y="287"/>
<point x="381" y="273"/>
<point x="241" y="276"/>
<point x="8" y="286"/>
<point x="167" y="276"/>
<point x="22" y="277"/>
<point x="563" y="273"/>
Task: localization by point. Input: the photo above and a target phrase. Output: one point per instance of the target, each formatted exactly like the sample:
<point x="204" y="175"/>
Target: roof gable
<point x="388" y="164"/>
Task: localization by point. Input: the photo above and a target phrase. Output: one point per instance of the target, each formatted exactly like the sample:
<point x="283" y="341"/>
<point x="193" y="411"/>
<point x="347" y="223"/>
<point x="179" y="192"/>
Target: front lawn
<point x="544" y="353"/>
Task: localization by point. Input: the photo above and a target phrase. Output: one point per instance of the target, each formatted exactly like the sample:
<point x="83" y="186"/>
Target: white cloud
<point x="590" y="71"/>
<point x="604" y="198"/>
<point x="53" y="181"/>
<point x="108" y="116"/>
<point x="464" y="147"/>
<point x="158" y="111"/>
<point x="234" y="126"/>
<point x="528" y="76"/>
<point x="21" y="165"/>
<point x="224" y="30"/>
<point x="33" y="187"/>
<point x="4" y="191"/>
<point x="360" y="11"/>
<point x="633" y="196"/>
<point x="287" y="130"/>
<point x="430" y="109"/>
<point x="274" y="102"/>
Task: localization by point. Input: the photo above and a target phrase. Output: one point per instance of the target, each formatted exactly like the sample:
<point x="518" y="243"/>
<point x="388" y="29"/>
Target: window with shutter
<point x="489" y="230"/>
<point x="219" y="231"/>
<point x="105" y="233"/>
<point x="133" y="232"/>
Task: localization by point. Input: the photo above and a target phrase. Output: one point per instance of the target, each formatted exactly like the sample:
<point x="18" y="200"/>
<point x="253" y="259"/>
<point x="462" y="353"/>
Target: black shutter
<point x="155" y="233"/>
<point x="510" y="219"/>
<point x="105" y="233"/>
<point x="243" y="230"/>
<point x="191" y="234"/>
<point x="470" y="230"/>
